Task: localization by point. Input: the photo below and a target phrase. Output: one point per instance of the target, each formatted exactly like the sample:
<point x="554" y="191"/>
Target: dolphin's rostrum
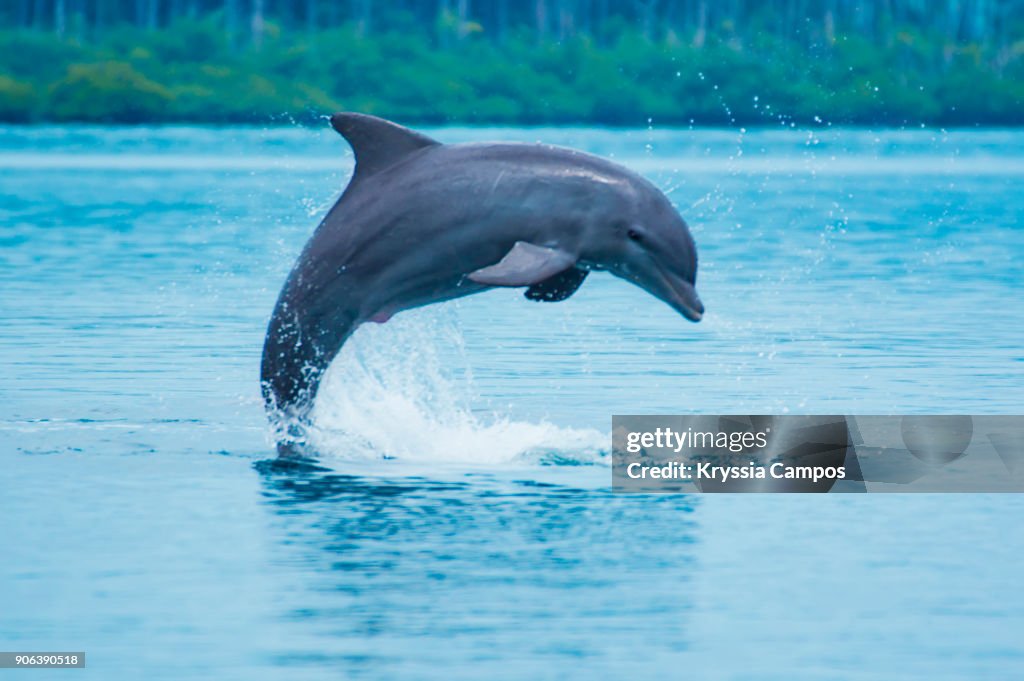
<point x="421" y="222"/>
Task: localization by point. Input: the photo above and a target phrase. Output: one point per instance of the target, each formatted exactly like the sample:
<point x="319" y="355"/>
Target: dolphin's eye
<point x="635" y="235"/>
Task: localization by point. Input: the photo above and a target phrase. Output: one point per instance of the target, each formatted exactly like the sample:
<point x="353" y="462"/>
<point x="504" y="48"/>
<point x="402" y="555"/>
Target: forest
<point x="633" y="62"/>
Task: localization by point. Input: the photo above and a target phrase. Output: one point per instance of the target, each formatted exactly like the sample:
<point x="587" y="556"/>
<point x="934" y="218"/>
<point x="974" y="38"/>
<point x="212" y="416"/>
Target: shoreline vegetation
<point x="545" y="62"/>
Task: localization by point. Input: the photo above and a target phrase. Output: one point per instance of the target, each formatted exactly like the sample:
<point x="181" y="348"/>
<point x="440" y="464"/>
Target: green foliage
<point x="110" y="91"/>
<point x="18" y="100"/>
<point x="191" y="71"/>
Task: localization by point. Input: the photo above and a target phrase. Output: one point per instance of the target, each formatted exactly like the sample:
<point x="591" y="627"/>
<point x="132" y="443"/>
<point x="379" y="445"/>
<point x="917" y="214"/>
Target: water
<point x="461" y="526"/>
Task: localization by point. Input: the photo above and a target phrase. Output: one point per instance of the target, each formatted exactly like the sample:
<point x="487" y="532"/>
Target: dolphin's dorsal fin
<point x="377" y="143"/>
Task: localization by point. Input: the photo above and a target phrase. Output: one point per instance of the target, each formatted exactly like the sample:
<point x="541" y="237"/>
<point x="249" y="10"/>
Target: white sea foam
<point x="403" y="390"/>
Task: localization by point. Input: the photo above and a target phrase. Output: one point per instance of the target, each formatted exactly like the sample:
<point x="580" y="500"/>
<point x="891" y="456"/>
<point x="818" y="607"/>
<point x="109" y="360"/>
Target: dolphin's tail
<point x="296" y="354"/>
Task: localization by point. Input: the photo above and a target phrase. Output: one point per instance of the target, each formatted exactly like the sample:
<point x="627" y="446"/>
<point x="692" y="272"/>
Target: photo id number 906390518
<point x="50" y="660"/>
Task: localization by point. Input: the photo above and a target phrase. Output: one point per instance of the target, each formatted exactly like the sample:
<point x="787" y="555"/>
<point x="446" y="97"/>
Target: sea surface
<point x="460" y="524"/>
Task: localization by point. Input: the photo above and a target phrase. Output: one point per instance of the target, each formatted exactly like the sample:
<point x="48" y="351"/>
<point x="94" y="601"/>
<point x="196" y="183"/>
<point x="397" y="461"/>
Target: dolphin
<point x="421" y="222"/>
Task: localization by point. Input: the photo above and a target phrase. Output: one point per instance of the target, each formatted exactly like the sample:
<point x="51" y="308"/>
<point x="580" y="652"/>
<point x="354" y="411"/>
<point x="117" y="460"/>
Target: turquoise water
<point x="462" y="525"/>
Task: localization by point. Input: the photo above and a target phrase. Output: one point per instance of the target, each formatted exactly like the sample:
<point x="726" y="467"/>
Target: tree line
<point x="607" y="62"/>
<point x="958" y="21"/>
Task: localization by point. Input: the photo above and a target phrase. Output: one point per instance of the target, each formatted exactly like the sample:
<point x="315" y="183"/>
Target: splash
<point x="404" y="390"/>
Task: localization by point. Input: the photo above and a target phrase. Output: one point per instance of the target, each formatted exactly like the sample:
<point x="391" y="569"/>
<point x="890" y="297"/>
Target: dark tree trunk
<point x="566" y="25"/>
<point x="38" y="14"/>
<point x="361" y="10"/>
<point x="175" y="11"/>
<point x="256" y="23"/>
<point x="23" y="14"/>
<point x="829" y="22"/>
<point x="59" y="17"/>
<point x="701" y="34"/>
<point x="463" y="19"/>
<point x="231" y="21"/>
<point x="502" y="21"/>
<point x="541" y="16"/>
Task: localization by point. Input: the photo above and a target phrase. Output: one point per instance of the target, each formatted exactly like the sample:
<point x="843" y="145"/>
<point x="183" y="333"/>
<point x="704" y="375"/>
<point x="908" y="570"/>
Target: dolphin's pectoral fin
<point x="558" y="287"/>
<point x="525" y="265"/>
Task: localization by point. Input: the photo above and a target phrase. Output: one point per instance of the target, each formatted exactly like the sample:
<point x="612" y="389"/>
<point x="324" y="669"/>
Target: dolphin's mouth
<point x="682" y="296"/>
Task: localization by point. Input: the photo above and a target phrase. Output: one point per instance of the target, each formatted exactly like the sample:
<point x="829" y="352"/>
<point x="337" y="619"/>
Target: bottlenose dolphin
<point x="421" y="222"/>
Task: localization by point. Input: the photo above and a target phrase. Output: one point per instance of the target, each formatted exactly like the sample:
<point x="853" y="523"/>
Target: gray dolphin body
<point x="422" y="222"/>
